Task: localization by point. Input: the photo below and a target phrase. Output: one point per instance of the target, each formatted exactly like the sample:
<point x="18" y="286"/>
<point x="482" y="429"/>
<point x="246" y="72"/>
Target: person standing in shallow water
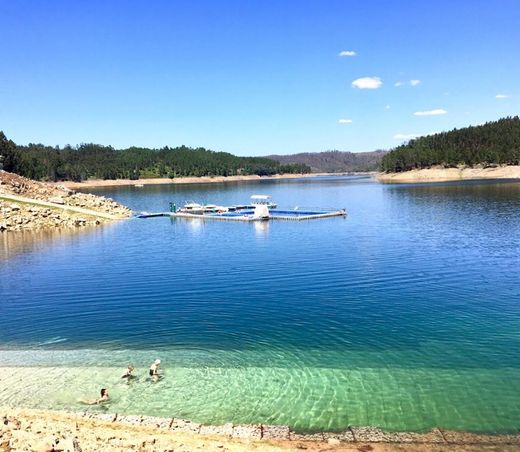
<point x="128" y="373"/>
<point x="154" y="370"/>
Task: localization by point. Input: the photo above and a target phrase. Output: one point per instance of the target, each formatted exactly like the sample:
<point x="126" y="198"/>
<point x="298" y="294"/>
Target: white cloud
<point x="367" y="83"/>
<point x="387" y="107"/>
<point x="345" y="121"/>
<point x="414" y="82"/>
<point x="501" y="96"/>
<point x="404" y="136"/>
<point x="347" y="53"/>
<point x="435" y="112"/>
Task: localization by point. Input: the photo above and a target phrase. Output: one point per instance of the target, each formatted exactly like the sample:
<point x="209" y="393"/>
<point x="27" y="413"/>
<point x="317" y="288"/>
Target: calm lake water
<point x="404" y="315"/>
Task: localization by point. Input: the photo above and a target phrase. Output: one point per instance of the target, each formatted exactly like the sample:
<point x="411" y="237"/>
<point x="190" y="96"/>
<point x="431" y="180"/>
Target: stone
<point x="5" y="445"/>
<point x="247" y="431"/>
<point x="106" y="417"/>
<point x="376" y="435"/>
<point x="275" y="432"/>
<point x="159" y="422"/>
<point x="226" y="429"/>
<point x="345" y="436"/>
<point x="453" y="437"/>
<point x="185" y="426"/>
<point x="132" y="420"/>
<point x="293" y="436"/>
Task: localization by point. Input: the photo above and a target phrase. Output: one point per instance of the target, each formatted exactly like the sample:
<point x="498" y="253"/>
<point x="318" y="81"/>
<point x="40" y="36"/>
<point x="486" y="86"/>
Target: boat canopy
<point x="263" y="197"/>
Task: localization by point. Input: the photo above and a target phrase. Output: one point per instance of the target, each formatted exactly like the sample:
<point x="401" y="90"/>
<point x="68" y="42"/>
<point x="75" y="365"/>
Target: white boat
<point x="260" y="204"/>
<point x="192" y="207"/>
<point x="199" y="209"/>
<point x="262" y="200"/>
<point x="213" y="208"/>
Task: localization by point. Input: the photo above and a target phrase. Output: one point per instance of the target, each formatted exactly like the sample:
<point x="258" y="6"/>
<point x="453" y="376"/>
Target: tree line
<point x="491" y="144"/>
<point x="335" y="161"/>
<point x="94" y="161"/>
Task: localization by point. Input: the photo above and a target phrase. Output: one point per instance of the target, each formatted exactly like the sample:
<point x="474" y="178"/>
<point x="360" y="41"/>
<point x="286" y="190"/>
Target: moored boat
<point x="262" y="200"/>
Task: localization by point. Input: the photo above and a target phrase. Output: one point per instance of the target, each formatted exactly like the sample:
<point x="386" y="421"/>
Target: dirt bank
<point x="28" y="204"/>
<point x="191" y="180"/>
<point x="450" y="174"/>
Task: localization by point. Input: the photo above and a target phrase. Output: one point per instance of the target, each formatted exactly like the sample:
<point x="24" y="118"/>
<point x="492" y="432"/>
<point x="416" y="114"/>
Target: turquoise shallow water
<point x="405" y="315"/>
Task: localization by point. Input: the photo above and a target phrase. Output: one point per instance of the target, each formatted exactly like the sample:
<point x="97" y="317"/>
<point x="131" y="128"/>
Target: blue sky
<point x="254" y="77"/>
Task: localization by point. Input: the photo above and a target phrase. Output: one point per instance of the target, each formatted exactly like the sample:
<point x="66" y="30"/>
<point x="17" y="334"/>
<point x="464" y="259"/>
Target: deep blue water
<point x="417" y="278"/>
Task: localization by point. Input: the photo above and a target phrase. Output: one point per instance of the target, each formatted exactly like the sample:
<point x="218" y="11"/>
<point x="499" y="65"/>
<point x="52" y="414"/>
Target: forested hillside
<point x="494" y="143"/>
<point x="335" y="161"/>
<point x="85" y="161"/>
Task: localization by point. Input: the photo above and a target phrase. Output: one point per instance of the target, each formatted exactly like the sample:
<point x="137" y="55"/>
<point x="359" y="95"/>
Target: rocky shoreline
<point x="26" y="204"/>
<point x="30" y="429"/>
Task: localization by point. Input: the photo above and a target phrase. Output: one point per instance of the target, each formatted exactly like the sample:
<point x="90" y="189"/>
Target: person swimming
<point x="154" y="370"/>
<point x="104" y="398"/>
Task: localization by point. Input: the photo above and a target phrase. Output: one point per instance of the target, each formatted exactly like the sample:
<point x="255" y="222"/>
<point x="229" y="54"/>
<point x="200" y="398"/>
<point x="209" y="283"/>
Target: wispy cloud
<point x="404" y="136"/>
<point x="414" y="82"/>
<point x="345" y="121"/>
<point x="367" y="83"/>
<point x="501" y="96"/>
<point x="347" y="53"/>
<point x="435" y="112"/>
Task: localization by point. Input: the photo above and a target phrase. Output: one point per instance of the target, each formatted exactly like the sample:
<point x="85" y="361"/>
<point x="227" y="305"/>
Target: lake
<point x="404" y="315"/>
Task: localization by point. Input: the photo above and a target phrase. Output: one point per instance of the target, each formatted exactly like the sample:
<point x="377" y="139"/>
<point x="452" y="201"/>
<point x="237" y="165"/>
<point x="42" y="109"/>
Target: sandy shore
<point x="450" y="174"/>
<point x="43" y="430"/>
<point x="187" y="180"/>
<point x="177" y="180"/>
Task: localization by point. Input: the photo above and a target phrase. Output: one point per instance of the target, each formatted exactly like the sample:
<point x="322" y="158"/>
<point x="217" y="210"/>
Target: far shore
<point x="437" y="174"/>
<point x="192" y="180"/>
<point x="449" y="174"/>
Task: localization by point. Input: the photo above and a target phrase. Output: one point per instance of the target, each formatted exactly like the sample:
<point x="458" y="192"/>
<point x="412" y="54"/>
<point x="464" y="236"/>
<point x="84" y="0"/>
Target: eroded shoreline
<point x="412" y="176"/>
<point x="36" y="429"/>
<point x="193" y="180"/>
<point x="449" y="175"/>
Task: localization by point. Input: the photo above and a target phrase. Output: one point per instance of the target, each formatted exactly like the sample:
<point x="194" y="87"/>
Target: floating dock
<point x="247" y="215"/>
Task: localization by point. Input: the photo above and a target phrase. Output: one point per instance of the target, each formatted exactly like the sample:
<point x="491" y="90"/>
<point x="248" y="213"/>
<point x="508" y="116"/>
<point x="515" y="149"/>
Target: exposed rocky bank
<point x="27" y="204"/>
<point x="41" y="430"/>
<point x="441" y="174"/>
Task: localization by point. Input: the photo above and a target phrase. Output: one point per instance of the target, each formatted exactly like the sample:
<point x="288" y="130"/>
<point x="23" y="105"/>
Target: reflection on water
<point x="403" y="315"/>
<point x="19" y="242"/>
<point x="261" y="228"/>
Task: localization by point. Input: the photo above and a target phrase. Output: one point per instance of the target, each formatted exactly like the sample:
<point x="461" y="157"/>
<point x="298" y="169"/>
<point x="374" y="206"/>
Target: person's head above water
<point x="157" y="362"/>
<point x="104" y="392"/>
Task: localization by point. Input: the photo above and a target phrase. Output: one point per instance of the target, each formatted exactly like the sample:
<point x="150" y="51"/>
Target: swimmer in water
<point x="104" y="398"/>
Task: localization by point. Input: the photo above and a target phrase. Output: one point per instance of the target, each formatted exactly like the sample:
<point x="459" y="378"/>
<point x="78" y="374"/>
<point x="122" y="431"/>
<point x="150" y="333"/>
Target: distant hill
<point x="334" y="161"/>
<point x="491" y="144"/>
